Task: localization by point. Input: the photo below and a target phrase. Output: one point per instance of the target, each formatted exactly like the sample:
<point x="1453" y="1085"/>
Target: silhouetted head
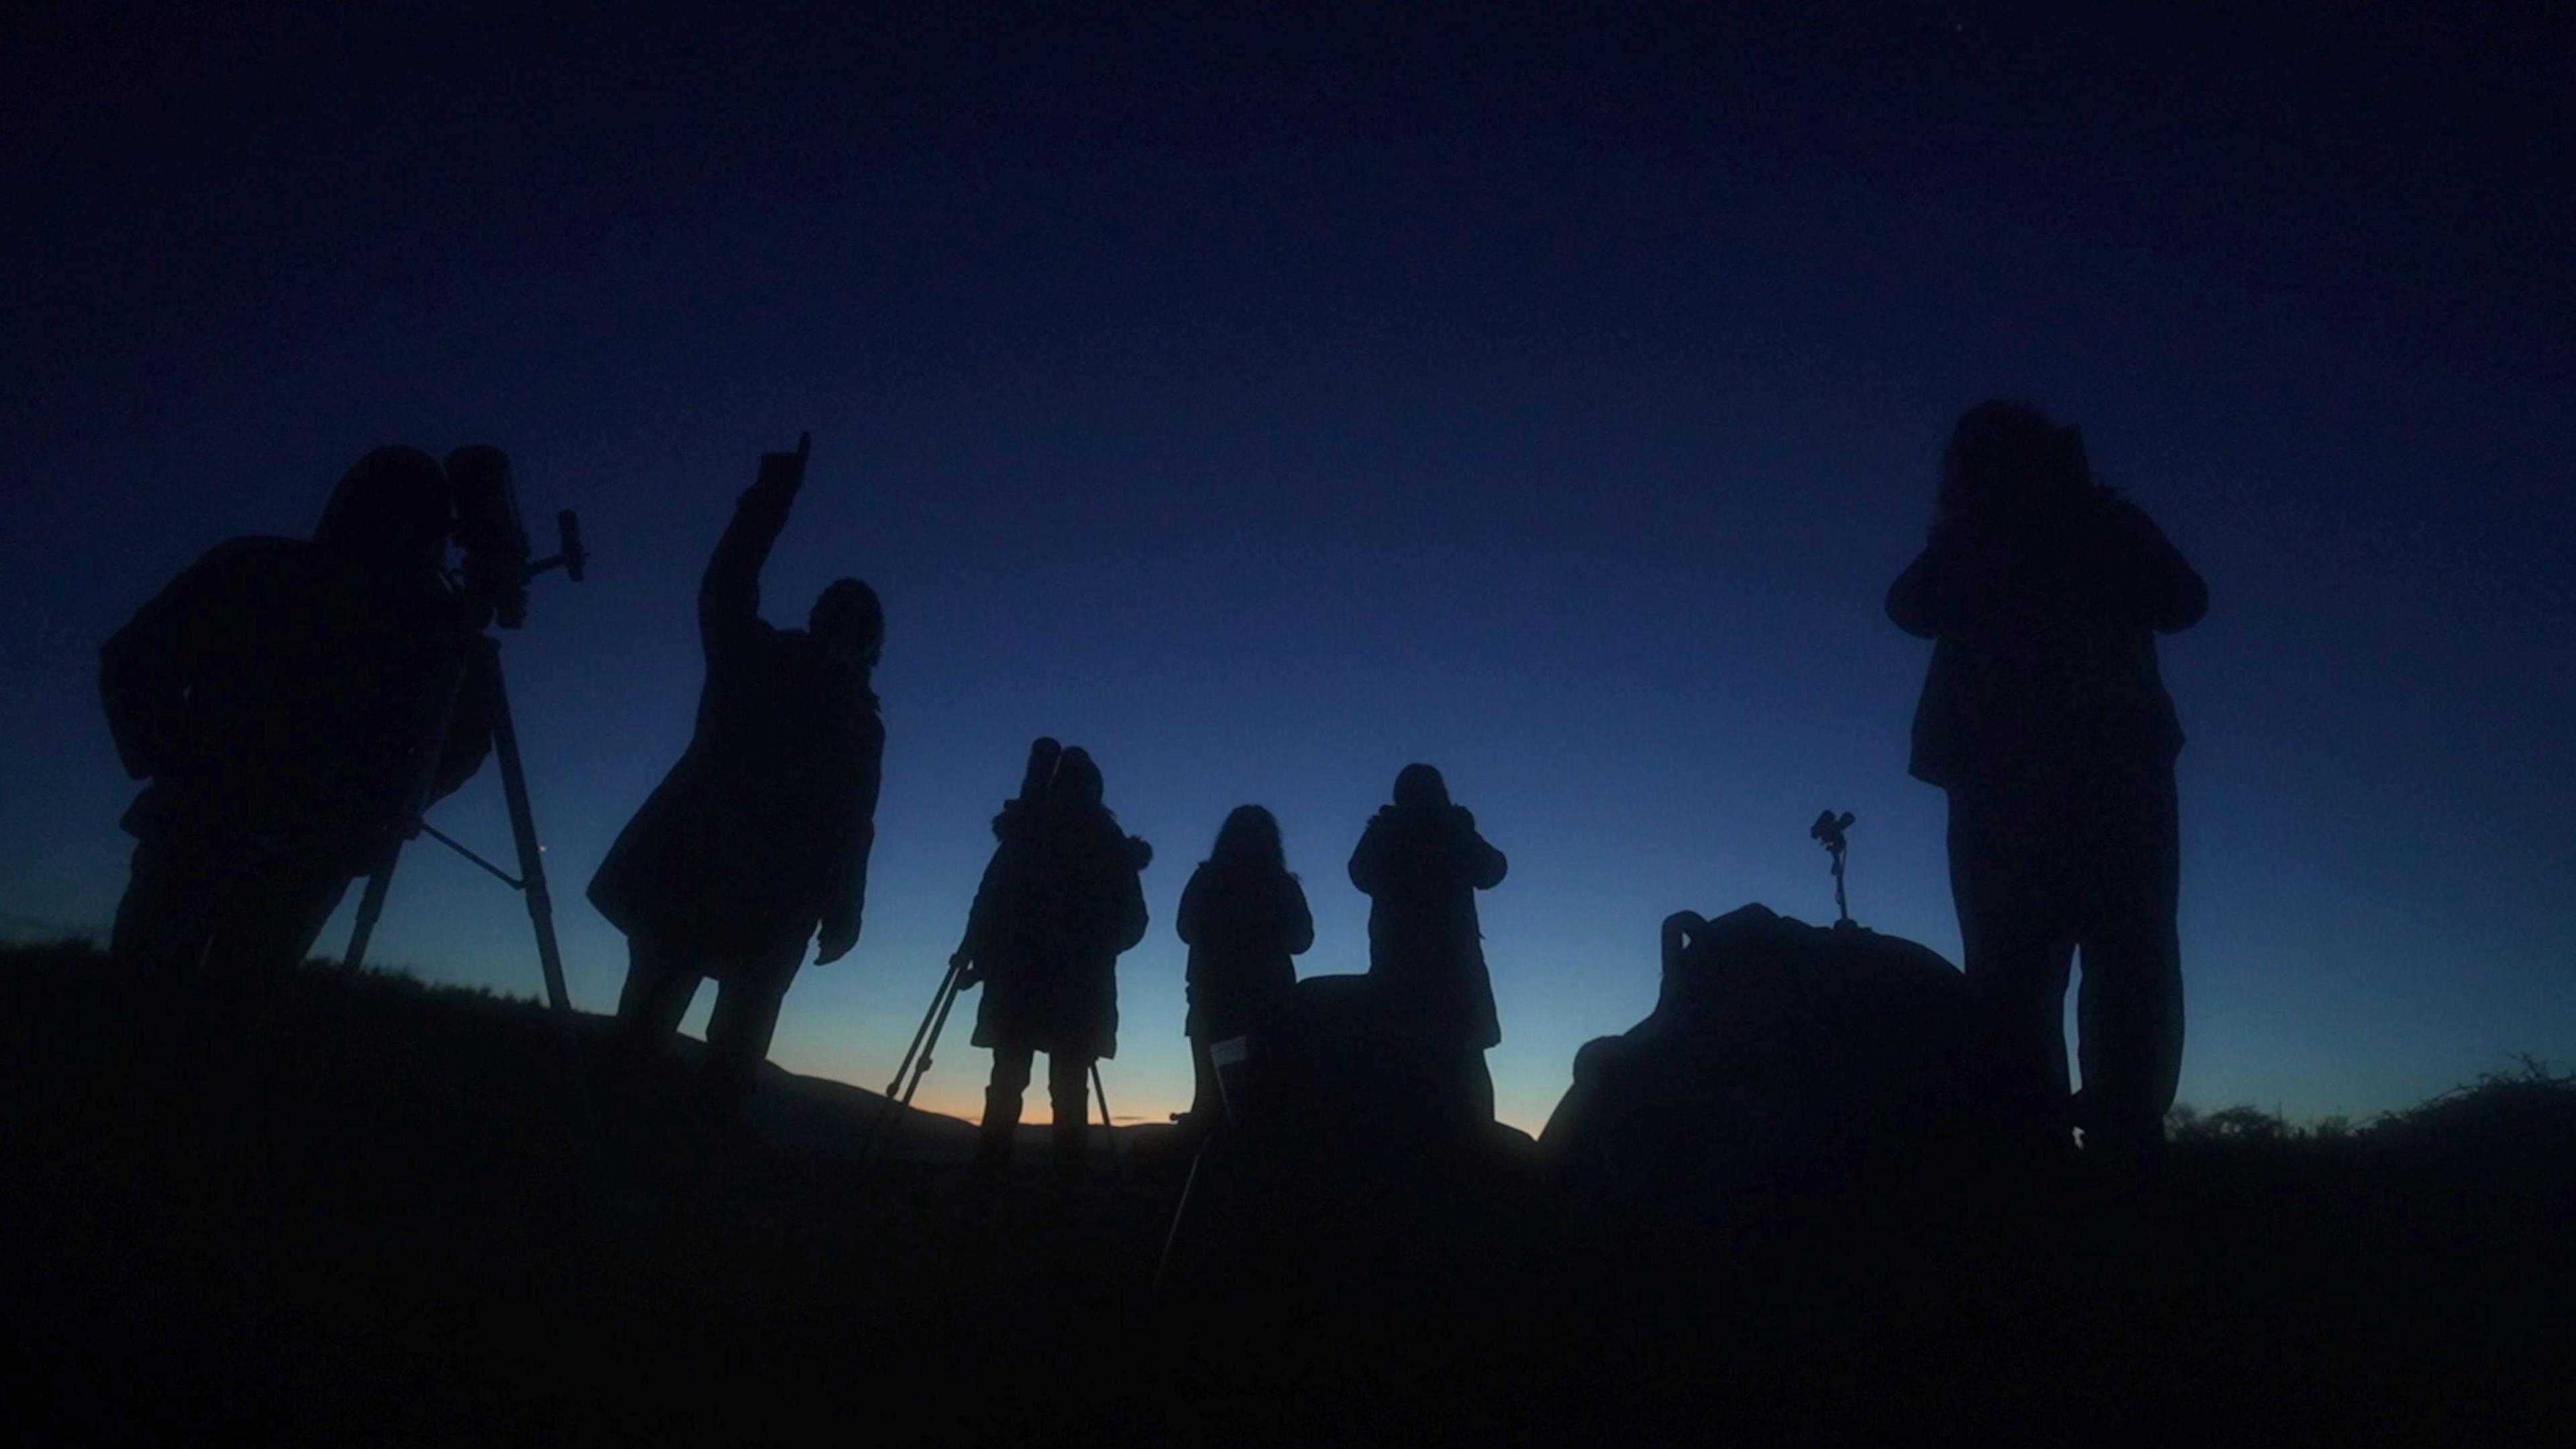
<point x="1250" y="837"/>
<point x="1043" y="754"/>
<point x="392" y="508"/>
<point x="849" y="623"/>
<point x="2009" y="460"/>
<point x="1077" y="779"/>
<point x="1421" y="786"/>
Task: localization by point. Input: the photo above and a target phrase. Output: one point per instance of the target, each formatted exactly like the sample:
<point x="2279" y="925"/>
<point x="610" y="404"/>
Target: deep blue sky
<point x="1265" y="405"/>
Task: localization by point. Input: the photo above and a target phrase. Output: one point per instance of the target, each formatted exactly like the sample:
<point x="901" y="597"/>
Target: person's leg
<point x="267" y="922"/>
<point x="167" y="908"/>
<point x="2018" y="949"/>
<point x="739" y="1032"/>
<point x="2129" y="1009"/>
<point x="1002" y="1106"/>
<point x="1069" y="1090"/>
<point x="249" y="1051"/>
<point x="158" y="945"/>
<point x="642" y="1085"/>
<point x="177" y="1079"/>
<point x="661" y="979"/>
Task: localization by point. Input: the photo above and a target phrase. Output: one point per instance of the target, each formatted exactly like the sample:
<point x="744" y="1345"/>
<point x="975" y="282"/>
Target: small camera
<point x="1828" y="829"/>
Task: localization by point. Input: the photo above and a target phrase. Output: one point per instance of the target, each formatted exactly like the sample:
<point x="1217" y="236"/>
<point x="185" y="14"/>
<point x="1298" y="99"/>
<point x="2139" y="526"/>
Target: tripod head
<point x="497" y="567"/>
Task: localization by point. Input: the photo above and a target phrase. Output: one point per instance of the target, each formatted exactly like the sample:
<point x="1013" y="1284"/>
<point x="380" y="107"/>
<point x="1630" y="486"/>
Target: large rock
<point x="1358" y="1168"/>
<point x="1781" y="1060"/>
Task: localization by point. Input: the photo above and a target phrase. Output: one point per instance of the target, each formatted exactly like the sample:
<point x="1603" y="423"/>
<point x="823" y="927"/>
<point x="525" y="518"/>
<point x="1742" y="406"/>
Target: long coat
<point x="1061" y="898"/>
<point x="278" y="692"/>
<point x="761" y="832"/>
<point x="1242" y="924"/>
<point x="1421" y="867"/>
<point x="2045" y="662"/>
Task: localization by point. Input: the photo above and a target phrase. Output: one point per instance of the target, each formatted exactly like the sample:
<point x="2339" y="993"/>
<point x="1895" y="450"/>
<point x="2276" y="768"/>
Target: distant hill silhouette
<point x="368" y="1224"/>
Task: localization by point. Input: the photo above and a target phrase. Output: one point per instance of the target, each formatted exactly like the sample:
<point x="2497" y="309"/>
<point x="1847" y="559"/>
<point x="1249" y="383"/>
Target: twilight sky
<point x="1267" y="403"/>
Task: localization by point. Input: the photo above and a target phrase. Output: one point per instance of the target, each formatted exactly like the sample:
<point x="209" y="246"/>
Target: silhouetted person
<point x="2046" y="719"/>
<point x="1063" y="899"/>
<point x="759" y="836"/>
<point x="1421" y="863"/>
<point x="285" y="699"/>
<point x="1002" y="928"/>
<point x="1243" y="916"/>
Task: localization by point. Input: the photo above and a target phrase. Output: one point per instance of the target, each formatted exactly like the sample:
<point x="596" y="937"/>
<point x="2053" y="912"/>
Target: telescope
<point x="497" y="565"/>
<point x="493" y="575"/>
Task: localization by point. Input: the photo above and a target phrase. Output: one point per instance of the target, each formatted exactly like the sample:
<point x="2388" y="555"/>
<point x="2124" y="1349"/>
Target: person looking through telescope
<point x="274" y="696"/>
<point x="759" y="836"/>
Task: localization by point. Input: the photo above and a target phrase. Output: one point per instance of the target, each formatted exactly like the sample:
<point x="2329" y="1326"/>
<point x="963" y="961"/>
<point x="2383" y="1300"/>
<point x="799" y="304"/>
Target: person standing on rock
<point x="759" y="837"/>
<point x="2045" y="717"/>
<point x="1243" y="916"/>
<point x="1421" y="862"/>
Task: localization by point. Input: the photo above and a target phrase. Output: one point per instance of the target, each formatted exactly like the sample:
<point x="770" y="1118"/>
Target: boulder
<point x="1780" y="1059"/>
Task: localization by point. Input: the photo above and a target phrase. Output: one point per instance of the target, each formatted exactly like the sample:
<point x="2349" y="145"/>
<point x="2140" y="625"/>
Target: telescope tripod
<point x="479" y="664"/>
<point x="916" y="1065"/>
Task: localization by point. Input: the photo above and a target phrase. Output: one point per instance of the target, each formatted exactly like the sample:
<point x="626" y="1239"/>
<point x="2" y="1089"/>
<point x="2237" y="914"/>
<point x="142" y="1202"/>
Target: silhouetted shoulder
<point x="2165" y="591"/>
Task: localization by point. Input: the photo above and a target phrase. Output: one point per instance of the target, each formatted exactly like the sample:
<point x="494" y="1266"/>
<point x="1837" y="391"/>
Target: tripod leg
<point x="1108" y="1128"/>
<point x="923" y="1034"/>
<point x="1180" y="1214"/>
<point x="371" y="908"/>
<point x="921" y="1031"/>
<point x="921" y="1069"/>
<point x="541" y="914"/>
<point x="523" y="831"/>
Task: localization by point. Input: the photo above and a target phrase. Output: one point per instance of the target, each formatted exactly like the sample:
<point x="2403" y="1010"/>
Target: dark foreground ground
<point x="365" y="1219"/>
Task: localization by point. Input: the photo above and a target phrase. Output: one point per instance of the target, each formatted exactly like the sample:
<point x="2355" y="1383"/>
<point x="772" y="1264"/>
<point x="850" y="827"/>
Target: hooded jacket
<point x="1061" y="898"/>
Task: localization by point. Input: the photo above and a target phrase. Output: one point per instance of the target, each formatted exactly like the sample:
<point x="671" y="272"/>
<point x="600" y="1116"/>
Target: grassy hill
<point x="369" y="1210"/>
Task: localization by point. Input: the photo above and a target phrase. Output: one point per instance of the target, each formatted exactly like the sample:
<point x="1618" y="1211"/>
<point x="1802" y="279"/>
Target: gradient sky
<point x="1267" y="404"/>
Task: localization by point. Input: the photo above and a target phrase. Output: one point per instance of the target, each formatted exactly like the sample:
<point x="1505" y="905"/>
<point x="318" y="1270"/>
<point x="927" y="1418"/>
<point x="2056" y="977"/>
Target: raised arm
<point x="729" y="595"/>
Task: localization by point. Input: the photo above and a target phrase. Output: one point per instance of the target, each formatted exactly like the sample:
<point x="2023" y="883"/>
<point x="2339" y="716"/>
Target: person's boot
<point x="994" y="1141"/>
<point x="1070" y="1151"/>
<point x="993" y="1151"/>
